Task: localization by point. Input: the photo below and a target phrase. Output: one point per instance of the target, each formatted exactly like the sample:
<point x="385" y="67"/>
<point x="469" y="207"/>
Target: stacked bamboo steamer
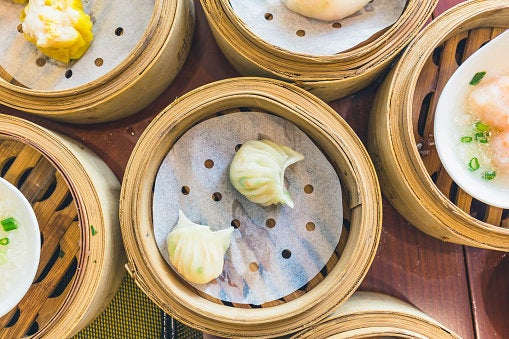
<point x="129" y="84"/>
<point x="329" y="77"/>
<point x="401" y="130"/>
<point x="75" y="198"/>
<point x="370" y="314"/>
<point x="361" y="210"/>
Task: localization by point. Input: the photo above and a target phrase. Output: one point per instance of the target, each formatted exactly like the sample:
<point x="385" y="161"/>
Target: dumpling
<point x="257" y="171"/>
<point x="197" y="252"/>
<point x="327" y="10"/>
<point x="60" y="29"/>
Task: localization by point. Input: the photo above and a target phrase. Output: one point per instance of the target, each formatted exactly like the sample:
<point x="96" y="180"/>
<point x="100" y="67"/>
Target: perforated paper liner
<point x="118" y="27"/>
<point x="273" y="22"/>
<point x="275" y="250"/>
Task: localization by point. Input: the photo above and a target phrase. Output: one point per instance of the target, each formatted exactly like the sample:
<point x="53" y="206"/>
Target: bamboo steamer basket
<point x="361" y="210"/>
<point x="135" y="81"/>
<point x="371" y="314"/>
<point x="401" y="130"/>
<point x="75" y="198"/>
<point x="328" y="77"/>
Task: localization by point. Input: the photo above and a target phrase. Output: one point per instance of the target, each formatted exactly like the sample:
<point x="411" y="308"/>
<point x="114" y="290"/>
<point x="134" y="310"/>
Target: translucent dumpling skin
<point x="257" y="171"/>
<point x="60" y="29"/>
<point x="327" y="10"/>
<point x="197" y="252"/>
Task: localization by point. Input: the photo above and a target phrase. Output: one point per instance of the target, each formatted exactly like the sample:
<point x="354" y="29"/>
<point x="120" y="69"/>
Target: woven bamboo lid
<point x="370" y="314"/>
<point x="361" y="210"/>
<point x="401" y="129"/>
<point x="135" y="42"/>
<point x="329" y="76"/>
<point x="75" y="198"/>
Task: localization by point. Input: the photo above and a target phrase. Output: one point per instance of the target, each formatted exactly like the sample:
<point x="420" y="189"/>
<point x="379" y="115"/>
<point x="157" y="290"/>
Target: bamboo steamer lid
<point x="75" y="198"/>
<point x="329" y="77"/>
<point x="129" y="84"/>
<point x="361" y="209"/>
<point x="401" y="127"/>
<point x="371" y="314"/>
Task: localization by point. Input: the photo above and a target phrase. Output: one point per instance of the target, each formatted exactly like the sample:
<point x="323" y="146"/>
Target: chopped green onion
<point x="466" y="139"/>
<point x="477" y="78"/>
<point x="489" y="175"/>
<point x="4" y="241"/>
<point x="93" y="230"/>
<point x="481" y="127"/>
<point x="473" y="164"/>
<point x="481" y="137"/>
<point x="9" y="224"/>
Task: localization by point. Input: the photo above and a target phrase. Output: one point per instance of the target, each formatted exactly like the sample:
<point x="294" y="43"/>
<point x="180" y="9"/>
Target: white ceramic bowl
<point x="491" y="58"/>
<point x="26" y="242"/>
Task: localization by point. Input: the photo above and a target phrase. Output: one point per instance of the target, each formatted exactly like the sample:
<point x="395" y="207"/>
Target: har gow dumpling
<point x="327" y="10"/>
<point x="197" y="252"/>
<point x="257" y="171"/>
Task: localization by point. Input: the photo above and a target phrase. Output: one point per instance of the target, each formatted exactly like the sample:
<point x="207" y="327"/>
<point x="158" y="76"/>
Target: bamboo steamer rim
<point x="436" y="205"/>
<point x="151" y="272"/>
<point x="369" y="314"/>
<point x="93" y="190"/>
<point x="291" y="65"/>
<point x="120" y="79"/>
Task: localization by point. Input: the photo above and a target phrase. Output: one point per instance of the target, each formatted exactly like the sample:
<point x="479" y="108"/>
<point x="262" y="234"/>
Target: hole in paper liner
<point x="119" y="31"/>
<point x="208" y="163"/>
<point x="216" y="196"/>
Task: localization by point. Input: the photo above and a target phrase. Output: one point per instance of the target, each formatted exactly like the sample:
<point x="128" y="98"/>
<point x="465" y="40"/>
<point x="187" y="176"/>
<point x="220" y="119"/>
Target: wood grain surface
<point x="466" y="289"/>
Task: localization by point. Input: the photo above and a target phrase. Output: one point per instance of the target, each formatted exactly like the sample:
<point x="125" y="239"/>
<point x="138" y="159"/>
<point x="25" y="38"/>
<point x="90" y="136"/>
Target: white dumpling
<point x="197" y="252"/>
<point x="327" y="10"/>
<point x="257" y="171"/>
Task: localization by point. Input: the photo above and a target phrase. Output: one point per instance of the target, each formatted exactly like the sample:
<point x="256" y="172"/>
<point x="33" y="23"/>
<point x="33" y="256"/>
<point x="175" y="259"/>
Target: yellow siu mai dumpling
<point x="60" y="29"/>
<point x="327" y="10"/>
<point x="197" y="252"/>
<point x="257" y="171"/>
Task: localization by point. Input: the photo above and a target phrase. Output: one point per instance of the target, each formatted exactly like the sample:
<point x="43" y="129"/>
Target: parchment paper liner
<point x="273" y="22"/>
<point x="255" y="270"/>
<point x="118" y="27"/>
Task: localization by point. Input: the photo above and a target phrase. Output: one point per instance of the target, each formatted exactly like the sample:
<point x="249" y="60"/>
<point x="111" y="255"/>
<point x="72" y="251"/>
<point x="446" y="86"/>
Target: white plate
<point x="18" y="283"/>
<point x="491" y="58"/>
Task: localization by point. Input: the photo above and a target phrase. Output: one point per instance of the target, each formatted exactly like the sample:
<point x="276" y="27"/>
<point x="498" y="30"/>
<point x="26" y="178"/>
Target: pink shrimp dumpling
<point x="499" y="145"/>
<point x="489" y="100"/>
<point x="326" y="10"/>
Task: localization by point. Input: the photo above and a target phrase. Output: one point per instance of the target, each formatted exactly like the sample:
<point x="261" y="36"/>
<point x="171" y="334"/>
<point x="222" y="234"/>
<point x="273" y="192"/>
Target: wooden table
<point x="464" y="288"/>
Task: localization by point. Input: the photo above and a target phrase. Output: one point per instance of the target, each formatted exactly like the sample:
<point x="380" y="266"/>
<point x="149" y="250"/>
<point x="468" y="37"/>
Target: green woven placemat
<point x="131" y="314"/>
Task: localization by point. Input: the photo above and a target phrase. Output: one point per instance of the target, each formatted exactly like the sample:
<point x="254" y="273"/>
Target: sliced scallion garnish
<point x="9" y="224"/>
<point x="466" y="139"/>
<point x="473" y="164"/>
<point x="489" y="175"/>
<point x="481" y="127"/>
<point x="476" y="79"/>
<point x="4" y="241"/>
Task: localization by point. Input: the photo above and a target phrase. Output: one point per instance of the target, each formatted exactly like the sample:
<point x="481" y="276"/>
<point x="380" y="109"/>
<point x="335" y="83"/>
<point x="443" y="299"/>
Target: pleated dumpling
<point x="326" y="10"/>
<point x="197" y="252"/>
<point x="257" y="171"/>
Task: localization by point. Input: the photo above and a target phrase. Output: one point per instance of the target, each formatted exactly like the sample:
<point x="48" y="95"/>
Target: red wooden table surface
<point x="466" y="289"/>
